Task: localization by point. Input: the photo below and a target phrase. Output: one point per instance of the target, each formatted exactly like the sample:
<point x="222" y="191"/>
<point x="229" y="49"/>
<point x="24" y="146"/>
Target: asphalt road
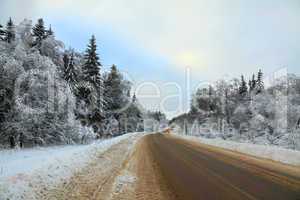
<point x="195" y="172"/>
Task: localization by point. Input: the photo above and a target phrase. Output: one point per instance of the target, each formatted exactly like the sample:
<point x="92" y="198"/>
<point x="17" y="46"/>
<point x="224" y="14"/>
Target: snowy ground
<point x="22" y="170"/>
<point x="274" y="153"/>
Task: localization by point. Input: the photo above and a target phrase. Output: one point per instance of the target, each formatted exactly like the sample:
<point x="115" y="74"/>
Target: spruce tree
<point x="134" y="116"/>
<point x="250" y="85"/>
<point x="128" y="93"/>
<point x="69" y="71"/>
<point x="114" y="94"/>
<point x="2" y="32"/>
<point x="10" y="31"/>
<point x="253" y="82"/>
<point x="66" y="61"/>
<point x="243" y="89"/>
<point x="49" y="31"/>
<point x="113" y="89"/>
<point x="91" y="66"/>
<point x="134" y="98"/>
<point x="259" y="82"/>
<point x="91" y="74"/>
<point x="39" y="32"/>
<point x="210" y="90"/>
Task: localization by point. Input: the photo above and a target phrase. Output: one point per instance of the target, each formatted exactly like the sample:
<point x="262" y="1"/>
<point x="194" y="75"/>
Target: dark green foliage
<point x="134" y="117"/>
<point x="253" y="83"/>
<point x="49" y="31"/>
<point x="2" y="32"/>
<point x="83" y="91"/>
<point x="69" y="69"/>
<point x="90" y="86"/>
<point x="10" y="34"/>
<point x="243" y="89"/>
<point x="250" y="85"/>
<point x="134" y="98"/>
<point x="259" y="82"/>
<point x="113" y="90"/>
<point x="91" y="66"/>
<point x="66" y="61"/>
<point x="39" y="32"/>
<point x="6" y="95"/>
<point x="158" y="116"/>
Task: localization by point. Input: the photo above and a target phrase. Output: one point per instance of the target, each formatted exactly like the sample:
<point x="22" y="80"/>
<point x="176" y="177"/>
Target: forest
<point x="246" y="111"/>
<point x="50" y="95"/>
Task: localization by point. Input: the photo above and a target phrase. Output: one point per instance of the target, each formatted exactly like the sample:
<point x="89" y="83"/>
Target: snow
<point x="125" y="179"/>
<point x="286" y="156"/>
<point x="46" y="166"/>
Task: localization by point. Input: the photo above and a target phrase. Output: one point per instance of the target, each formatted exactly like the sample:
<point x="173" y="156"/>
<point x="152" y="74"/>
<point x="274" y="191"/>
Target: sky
<point x="168" y="48"/>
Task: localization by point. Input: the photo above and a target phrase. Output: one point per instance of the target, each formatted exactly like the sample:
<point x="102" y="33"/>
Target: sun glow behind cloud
<point x="191" y="59"/>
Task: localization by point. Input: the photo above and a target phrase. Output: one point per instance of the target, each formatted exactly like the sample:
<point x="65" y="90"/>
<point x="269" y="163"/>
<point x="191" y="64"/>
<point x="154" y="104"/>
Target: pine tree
<point x="210" y="91"/>
<point x="2" y="32"/>
<point x="133" y="98"/>
<point x="91" y="66"/>
<point x="91" y="74"/>
<point x="66" y="61"/>
<point x="10" y="31"/>
<point x="250" y="85"/>
<point x="39" y="32"/>
<point x="134" y="116"/>
<point x="69" y="71"/>
<point x="259" y="82"/>
<point x="49" y="31"/>
<point x="128" y="93"/>
<point x="113" y="90"/>
<point x="115" y="95"/>
<point x="243" y="89"/>
<point x="253" y="82"/>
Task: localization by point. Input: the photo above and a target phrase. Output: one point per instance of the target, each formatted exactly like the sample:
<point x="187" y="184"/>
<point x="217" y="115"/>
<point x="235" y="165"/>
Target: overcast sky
<point x="156" y="41"/>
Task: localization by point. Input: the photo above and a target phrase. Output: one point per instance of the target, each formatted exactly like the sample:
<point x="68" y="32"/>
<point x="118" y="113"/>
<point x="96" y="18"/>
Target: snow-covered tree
<point x="50" y="32"/>
<point x="70" y="71"/>
<point x="134" y="117"/>
<point x="259" y="82"/>
<point x="33" y="93"/>
<point x="2" y="32"/>
<point x="113" y="90"/>
<point x="10" y="34"/>
<point x="252" y="83"/>
<point x="25" y="35"/>
<point x="89" y="89"/>
<point x="271" y="117"/>
<point x="91" y="66"/>
<point x="39" y="32"/>
<point x="243" y="89"/>
<point x="66" y="61"/>
<point x="36" y="101"/>
<point x="116" y="96"/>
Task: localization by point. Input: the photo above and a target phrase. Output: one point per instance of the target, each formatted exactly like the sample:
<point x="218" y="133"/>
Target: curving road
<point x="194" y="171"/>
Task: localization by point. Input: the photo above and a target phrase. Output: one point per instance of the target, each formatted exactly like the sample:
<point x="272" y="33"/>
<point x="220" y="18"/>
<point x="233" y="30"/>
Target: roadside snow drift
<point x="274" y="153"/>
<point x="22" y="170"/>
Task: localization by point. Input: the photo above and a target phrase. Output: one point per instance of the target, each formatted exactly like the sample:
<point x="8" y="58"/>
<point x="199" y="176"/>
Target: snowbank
<point x="274" y="153"/>
<point x="22" y="170"/>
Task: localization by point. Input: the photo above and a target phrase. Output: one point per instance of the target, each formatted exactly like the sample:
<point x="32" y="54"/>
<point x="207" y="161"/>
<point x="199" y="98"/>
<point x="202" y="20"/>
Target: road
<point x="165" y="167"/>
<point x="195" y="171"/>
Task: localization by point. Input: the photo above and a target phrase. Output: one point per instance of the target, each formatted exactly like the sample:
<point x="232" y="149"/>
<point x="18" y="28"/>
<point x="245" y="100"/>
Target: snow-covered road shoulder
<point x="22" y="171"/>
<point x="278" y="154"/>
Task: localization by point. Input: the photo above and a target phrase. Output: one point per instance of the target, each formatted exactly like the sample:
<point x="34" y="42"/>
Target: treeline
<point x="52" y="95"/>
<point x="242" y="110"/>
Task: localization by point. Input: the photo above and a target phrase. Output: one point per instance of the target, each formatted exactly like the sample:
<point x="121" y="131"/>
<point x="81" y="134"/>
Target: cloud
<point x="202" y="34"/>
